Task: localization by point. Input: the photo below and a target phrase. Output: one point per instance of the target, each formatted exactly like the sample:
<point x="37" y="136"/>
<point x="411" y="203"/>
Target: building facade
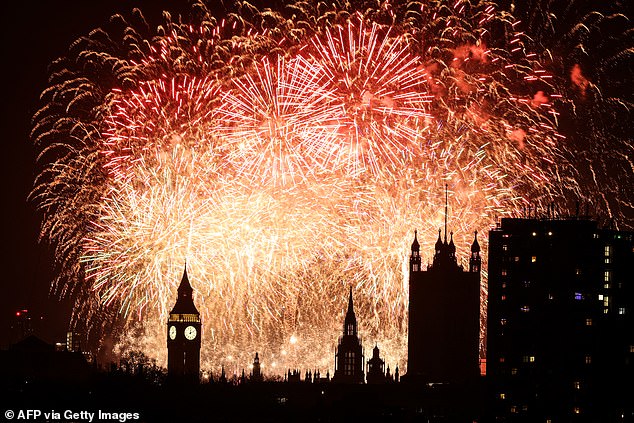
<point x="444" y="316"/>
<point x="560" y="344"/>
<point x="349" y="356"/>
<point x="183" y="336"/>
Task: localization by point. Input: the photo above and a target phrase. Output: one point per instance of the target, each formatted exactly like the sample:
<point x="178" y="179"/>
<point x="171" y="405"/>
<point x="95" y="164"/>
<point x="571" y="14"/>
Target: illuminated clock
<point x="190" y="332"/>
<point x="172" y="332"/>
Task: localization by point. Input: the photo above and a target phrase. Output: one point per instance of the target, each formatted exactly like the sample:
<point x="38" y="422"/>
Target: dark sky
<point x="33" y="34"/>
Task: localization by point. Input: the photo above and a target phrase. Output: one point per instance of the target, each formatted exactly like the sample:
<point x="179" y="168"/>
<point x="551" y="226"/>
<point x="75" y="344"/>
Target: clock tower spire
<point x="183" y="335"/>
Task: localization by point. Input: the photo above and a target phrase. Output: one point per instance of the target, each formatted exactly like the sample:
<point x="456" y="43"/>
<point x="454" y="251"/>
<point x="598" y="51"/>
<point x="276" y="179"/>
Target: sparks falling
<point x="285" y="156"/>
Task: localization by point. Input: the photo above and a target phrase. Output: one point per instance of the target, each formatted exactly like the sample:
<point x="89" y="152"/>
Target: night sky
<point x="34" y="34"/>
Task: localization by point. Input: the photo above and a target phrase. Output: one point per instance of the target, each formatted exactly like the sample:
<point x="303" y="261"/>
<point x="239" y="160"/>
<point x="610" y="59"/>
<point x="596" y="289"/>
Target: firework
<point x="285" y="156"/>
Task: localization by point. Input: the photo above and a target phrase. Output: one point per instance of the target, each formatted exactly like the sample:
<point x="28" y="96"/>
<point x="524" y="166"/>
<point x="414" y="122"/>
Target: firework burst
<point x="286" y="156"/>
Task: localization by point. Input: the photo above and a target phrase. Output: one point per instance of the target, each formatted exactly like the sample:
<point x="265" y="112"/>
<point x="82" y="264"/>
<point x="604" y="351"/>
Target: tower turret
<point x="414" y="258"/>
<point x="376" y="367"/>
<point x="475" y="262"/>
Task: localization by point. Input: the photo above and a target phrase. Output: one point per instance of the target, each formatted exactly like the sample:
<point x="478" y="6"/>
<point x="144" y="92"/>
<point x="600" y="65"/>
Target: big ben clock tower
<point x="183" y="336"/>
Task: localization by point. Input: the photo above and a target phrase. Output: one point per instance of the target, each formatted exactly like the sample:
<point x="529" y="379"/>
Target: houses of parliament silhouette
<point x="443" y="326"/>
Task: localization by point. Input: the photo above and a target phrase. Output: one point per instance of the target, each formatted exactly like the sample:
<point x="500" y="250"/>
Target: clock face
<point x="172" y="332"/>
<point x="190" y="332"/>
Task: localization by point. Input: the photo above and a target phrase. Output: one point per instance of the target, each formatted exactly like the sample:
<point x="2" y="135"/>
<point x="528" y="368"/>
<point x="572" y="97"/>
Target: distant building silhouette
<point x="183" y="336"/>
<point x="256" y="374"/>
<point x="349" y="356"/>
<point x="33" y="360"/>
<point x="560" y="341"/>
<point x="22" y="325"/>
<point x="223" y="376"/>
<point x="73" y="341"/>
<point x="376" y="368"/>
<point x="444" y="315"/>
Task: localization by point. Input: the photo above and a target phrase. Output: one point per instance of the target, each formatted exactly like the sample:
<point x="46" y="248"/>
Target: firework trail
<point x="286" y="155"/>
<point x="592" y="50"/>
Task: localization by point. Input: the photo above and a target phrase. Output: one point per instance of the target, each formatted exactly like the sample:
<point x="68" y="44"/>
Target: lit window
<point x="606" y="285"/>
<point x="531" y="359"/>
<point x="514" y="371"/>
<point x="577" y="272"/>
<point x="621" y="310"/>
<point x="577" y="384"/>
<point x="550" y="296"/>
<point x="600" y="297"/>
<point x="576" y="410"/>
<point x="606" y="301"/>
<point x="516" y="259"/>
<point x="525" y="309"/>
<point x="534" y="233"/>
<point x="533" y="259"/>
<point x="632" y="348"/>
<point x="605" y="311"/>
<point x="550" y="233"/>
<point x="528" y="359"/>
<point x="502" y="395"/>
<point x="501" y="359"/>
<point x="503" y="284"/>
<point x="503" y="322"/>
<point x="527" y="284"/>
<point x="348" y="364"/>
<point x="513" y="409"/>
<point x="505" y="247"/>
<point x="588" y="359"/>
<point x="607" y="276"/>
<point x="607" y="250"/>
<point x="350" y="329"/>
<point x="588" y="322"/>
<point x="503" y="272"/>
<point x="578" y="296"/>
<point x="503" y="297"/>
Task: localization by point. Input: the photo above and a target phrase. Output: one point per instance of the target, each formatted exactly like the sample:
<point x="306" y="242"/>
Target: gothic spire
<point x="185" y="286"/>
<point x="184" y="301"/>
<point x="475" y="247"/>
<point x="438" y="243"/>
<point x="350" y="305"/>
<point x="415" y="244"/>
<point x="350" y="322"/>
